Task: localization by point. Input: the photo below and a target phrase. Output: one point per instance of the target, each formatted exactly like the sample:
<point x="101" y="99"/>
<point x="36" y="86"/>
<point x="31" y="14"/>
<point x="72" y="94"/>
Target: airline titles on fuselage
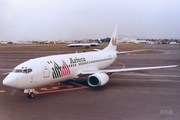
<point x="77" y="60"/>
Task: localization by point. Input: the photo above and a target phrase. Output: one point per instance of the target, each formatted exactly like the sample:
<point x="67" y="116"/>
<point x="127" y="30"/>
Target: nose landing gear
<point x="29" y="92"/>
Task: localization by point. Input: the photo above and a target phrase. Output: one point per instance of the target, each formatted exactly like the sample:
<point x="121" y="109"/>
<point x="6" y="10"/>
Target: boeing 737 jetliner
<point x="58" y="68"/>
<point x="86" y="45"/>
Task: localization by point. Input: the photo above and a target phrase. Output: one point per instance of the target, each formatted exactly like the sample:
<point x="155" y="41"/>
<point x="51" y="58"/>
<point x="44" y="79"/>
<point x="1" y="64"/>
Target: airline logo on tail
<point x="60" y="71"/>
<point x="114" y="41"/>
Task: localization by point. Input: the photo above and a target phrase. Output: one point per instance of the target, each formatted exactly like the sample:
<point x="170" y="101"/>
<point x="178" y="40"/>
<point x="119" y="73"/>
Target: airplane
<point x="47" y="70"/>
<point x="86" y="45"/>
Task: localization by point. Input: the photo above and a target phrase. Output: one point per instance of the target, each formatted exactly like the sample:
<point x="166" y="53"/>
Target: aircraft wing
<point x="123" y="52"/>
<point x="89" y="72"/>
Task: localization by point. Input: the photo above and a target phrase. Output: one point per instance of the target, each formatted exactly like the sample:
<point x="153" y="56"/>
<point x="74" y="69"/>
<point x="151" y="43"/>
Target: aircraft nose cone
<point x="10" y="81"/>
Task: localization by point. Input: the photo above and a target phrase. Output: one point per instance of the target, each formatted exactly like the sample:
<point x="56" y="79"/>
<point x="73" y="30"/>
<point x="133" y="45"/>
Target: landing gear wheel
<point x="31" y="95"/>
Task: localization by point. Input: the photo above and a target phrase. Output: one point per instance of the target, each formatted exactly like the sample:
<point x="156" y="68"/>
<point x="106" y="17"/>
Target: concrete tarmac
<point x="140" y="95"/>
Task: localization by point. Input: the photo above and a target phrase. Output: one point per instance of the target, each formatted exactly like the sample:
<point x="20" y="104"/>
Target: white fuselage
<point x="57" y="68"/>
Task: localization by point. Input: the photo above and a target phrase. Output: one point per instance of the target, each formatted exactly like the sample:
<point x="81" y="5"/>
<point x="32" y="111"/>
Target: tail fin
<point x="112" y="46"/>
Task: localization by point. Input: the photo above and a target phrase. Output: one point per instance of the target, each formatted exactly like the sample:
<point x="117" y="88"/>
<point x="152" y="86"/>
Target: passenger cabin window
<point x="29" y="70"/>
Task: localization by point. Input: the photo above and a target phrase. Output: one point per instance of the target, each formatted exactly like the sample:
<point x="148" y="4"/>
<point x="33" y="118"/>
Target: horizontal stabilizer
<point x="97" y="49"/>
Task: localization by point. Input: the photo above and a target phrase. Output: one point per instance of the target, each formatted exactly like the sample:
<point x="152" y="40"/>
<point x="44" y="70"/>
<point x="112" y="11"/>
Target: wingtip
<point x="173" y="65"/>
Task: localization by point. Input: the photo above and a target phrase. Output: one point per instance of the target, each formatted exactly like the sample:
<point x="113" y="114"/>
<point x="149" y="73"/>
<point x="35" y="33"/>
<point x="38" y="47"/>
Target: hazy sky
<point x="78" y="19"/>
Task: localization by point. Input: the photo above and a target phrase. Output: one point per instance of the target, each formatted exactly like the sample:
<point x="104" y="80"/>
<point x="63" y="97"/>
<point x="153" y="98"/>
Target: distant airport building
<point x="127" y="40"/>
<point x="3" y="42"/>
<point x="173" y="43"/>
<point x="134" y="40"/>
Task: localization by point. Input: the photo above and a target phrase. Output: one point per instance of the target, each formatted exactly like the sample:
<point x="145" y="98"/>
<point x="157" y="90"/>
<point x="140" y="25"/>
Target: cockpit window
<point x="29" y="70"/>
<point x="18" y="71"/>
<point x="25" y="70"/>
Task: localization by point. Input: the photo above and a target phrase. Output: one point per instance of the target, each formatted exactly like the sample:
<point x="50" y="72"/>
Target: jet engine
<point x="98" y="79"/>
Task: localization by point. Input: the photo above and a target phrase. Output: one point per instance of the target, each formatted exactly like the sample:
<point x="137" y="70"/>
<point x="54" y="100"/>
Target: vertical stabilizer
<point x="112" y="46"/>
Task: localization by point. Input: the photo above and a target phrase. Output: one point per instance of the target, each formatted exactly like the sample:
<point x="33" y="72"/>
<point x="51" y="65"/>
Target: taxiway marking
<point x="1" y="91"/>
<point x="123" y="66"/>
<point x="4" y="69"/>
<point x="53" y="88"/>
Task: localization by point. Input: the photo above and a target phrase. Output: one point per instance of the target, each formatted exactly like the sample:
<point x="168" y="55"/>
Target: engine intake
<point x="98" y="79"/>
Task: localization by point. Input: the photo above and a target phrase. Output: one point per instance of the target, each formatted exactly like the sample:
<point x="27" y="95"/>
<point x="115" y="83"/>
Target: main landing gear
<point x="29" y="92"/>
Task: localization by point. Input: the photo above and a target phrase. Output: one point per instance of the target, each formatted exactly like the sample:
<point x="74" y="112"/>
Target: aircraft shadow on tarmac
<point x="64" y="86"/>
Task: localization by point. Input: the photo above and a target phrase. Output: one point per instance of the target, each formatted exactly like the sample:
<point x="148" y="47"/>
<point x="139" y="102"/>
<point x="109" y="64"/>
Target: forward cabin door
<point x="46" y="71"/>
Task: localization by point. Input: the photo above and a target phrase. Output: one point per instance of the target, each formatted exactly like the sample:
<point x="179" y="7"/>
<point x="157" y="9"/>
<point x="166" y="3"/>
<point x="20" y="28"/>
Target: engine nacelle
<point x="98" y="79"/>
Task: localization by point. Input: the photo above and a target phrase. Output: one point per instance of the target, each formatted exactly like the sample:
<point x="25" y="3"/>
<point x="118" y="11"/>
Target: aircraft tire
<point x="30" y="95"/>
